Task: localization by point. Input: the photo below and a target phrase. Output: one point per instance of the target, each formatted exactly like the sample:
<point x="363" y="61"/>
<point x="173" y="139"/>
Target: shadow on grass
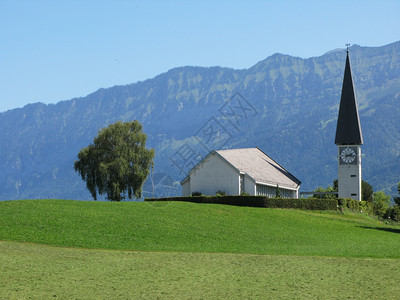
<point x="393" y="230"/>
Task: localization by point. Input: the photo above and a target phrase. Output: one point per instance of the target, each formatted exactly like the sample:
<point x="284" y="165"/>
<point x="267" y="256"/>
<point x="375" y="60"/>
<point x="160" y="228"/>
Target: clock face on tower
<point x="348" y="155"/>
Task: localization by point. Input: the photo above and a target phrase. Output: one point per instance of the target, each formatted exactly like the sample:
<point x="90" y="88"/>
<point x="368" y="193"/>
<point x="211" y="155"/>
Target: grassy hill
<point x="192" y="227"/>
<point x="194" y="251"/>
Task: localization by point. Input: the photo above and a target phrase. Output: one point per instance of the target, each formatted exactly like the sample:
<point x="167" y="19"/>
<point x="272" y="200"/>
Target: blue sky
<point x="57" y="50"/>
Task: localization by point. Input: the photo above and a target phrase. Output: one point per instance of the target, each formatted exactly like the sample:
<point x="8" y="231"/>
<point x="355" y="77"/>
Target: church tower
<point x="349" y="139"/>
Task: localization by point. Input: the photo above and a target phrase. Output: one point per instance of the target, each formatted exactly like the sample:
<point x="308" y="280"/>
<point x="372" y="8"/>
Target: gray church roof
<point x="259" y="166"/>
<point x="348" y="130"/>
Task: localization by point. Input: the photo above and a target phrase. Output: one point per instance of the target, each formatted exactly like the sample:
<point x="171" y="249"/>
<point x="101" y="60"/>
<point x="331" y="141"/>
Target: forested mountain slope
<point x="287" y="106"/>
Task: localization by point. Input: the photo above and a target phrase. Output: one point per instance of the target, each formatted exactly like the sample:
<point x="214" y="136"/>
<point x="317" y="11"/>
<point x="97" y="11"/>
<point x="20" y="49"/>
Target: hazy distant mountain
<point x="287" y="106"/>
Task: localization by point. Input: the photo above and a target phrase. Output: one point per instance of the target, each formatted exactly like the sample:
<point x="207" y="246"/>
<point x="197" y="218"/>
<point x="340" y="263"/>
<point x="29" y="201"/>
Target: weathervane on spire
<point x="347" y="46"/>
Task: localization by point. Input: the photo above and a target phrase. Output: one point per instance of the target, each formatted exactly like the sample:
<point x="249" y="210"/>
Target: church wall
<point x="250" y="186"/>
<point x="212" y="175"/>
<point x="186" y="188"/>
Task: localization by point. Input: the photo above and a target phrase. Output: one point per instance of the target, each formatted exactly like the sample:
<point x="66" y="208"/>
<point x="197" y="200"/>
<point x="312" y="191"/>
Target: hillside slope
<point x="286" y="106"/>
<point x="189" y="227"/>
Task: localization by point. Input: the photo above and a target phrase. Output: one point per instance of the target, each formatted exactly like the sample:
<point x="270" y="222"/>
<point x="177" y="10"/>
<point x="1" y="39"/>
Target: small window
<point x="354" y="194"/>
<point x="353" y="175"/>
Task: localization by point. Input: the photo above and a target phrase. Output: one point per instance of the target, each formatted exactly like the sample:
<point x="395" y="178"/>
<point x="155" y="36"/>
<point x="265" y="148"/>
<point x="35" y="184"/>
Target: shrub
<point x="302" y="203"/>
<point x="352" y="204"/>
<point x="196" y="194"/>
<point x="278" y="192"/>
<point x="220" y="193"/>
<point x="355" y="205"/>
<point x="342" y="202"/>
<point x="393" y="213"/>
<point x="381" y="203"/>
<point x="366" y="207"/>
<point x="259" y="201"/>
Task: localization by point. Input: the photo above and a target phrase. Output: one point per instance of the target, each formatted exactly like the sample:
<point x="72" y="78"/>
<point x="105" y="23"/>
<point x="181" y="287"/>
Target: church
<point x="349" y="139"/>
<point x="240" y="171"/>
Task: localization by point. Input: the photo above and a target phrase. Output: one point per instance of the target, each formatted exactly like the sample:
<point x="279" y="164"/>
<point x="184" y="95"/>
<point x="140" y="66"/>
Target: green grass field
<point x="92" y="250"/>
<point x="42" y="272"/>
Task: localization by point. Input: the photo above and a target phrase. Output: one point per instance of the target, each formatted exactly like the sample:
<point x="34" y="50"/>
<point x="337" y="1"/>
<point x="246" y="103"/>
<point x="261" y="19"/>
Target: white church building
<point x="238" y="171"/>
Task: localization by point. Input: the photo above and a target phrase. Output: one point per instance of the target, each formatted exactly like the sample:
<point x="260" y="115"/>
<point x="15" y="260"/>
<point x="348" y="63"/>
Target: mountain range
<point x="287" y="106"/>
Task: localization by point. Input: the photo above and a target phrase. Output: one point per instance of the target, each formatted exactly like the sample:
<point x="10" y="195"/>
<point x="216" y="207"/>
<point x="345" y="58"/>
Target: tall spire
<point x="348" y="130"/>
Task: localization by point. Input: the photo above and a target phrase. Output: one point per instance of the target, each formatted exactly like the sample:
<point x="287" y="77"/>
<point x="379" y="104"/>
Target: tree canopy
<point x="366" y="191"/>
<point x="117" y="163"/>
<point x="381" y="203"/>
<point x="397" y="199"/>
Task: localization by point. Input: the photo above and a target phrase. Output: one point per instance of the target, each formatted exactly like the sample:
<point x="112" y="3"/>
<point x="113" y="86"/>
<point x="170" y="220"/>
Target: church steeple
<point x="349" y="140"/>
<point x="348" y="130"/>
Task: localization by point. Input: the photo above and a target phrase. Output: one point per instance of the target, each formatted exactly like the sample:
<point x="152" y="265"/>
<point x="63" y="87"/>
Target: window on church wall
<point x="263" y="190"/>
<point x="241" y="184"/>
<point x="287" y="193"/>
<point x="270" y="191"/>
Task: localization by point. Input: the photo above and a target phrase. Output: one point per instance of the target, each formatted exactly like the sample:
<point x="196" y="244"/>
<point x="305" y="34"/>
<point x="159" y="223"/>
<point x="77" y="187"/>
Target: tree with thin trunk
<point x="117" y="163"/>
